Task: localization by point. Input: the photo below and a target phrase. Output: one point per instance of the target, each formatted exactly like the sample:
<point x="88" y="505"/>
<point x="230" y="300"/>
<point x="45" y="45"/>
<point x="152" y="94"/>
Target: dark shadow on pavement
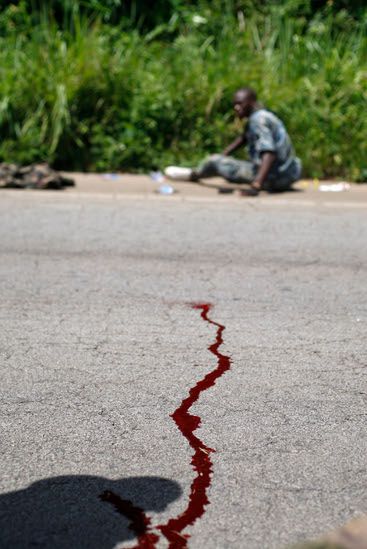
<point x="290" y="190"/>
<point x="228" y="187"/>
<point x="68" y="511"/>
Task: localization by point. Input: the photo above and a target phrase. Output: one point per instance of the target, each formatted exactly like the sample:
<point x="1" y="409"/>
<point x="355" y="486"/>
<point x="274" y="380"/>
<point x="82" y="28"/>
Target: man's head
<point x="244" y="102"/>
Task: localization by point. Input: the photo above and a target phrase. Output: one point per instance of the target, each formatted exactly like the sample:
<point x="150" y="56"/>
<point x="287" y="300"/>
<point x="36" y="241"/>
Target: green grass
<point x="99" y="97"/>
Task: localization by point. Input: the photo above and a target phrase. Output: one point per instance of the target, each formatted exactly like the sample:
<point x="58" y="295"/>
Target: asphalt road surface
<point x="100" y="344"/>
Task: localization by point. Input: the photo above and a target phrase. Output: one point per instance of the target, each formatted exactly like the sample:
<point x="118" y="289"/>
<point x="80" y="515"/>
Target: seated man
<point x="273" y="166"/>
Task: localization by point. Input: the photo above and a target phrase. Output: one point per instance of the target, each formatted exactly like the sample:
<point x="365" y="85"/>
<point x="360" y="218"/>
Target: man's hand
<point x="237" y="143"/>
<point x="267" y="160"/>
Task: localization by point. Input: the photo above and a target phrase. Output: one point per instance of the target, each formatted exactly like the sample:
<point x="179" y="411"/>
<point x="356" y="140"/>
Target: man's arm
<point x="267" y="160"/>
<point x="237" y="143"/>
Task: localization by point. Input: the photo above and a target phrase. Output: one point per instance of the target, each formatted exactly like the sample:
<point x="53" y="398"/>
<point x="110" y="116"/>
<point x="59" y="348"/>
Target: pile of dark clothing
<point x="34" y="176"/>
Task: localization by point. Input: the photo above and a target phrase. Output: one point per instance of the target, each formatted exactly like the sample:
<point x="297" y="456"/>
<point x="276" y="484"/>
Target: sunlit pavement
<point x="119" y="186"/>
<point x="100" y="345"/>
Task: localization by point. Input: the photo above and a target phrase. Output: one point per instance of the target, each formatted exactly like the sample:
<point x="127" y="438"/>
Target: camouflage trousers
<point x="242" y="171"/>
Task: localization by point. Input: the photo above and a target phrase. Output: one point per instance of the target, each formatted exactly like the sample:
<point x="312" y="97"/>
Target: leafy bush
<point x="92" y="95"/>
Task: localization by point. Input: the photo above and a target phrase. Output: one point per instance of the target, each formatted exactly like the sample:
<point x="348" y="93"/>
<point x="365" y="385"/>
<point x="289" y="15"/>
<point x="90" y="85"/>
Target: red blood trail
<point x="188" y="423"/>
<point x="201" y="462"/>
<point x="139" y="522"/>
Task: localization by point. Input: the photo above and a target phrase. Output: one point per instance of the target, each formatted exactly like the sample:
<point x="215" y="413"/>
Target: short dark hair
<point x="249" y="92"/>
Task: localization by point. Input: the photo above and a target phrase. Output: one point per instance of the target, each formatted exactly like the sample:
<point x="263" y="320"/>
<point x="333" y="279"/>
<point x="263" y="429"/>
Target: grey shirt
<point x="265" y="132"/>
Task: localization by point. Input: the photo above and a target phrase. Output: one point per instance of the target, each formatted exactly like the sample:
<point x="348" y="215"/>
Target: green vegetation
<point x="101" y="89"/>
